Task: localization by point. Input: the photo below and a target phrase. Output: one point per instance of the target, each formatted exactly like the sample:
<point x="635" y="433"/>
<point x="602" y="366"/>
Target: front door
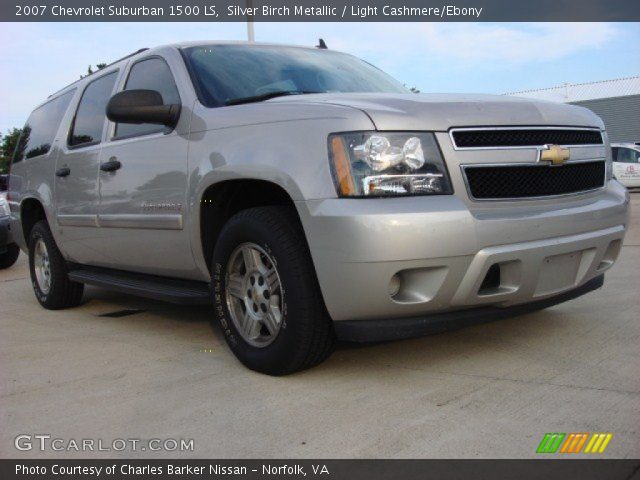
<point x="143" y="185"/>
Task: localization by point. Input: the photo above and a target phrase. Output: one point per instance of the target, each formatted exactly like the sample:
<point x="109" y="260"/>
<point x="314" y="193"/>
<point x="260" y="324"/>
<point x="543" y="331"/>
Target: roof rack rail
<point x="106" y="66"/>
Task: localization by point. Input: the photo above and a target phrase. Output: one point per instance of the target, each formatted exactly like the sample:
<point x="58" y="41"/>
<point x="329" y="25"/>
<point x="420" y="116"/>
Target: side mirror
<point x="142" y="106"/>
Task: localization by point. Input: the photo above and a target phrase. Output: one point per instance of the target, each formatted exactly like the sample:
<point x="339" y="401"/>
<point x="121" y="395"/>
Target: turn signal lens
<point x="341" y="167"/>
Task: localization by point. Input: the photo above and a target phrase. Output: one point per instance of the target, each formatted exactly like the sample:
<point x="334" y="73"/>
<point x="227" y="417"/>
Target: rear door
<point x="76" y="180"/>
<point x="142" y="203"/>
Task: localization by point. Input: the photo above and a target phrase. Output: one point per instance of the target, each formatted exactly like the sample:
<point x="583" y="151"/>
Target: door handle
<point x="63" y="172"/>
<point x="111" y="166"/>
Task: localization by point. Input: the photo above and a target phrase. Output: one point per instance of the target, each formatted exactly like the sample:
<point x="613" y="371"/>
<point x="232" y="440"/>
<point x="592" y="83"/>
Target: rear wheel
<point x="8" y="258"/>
<point x="267" y="297"/>
<point x="48" y="270"/>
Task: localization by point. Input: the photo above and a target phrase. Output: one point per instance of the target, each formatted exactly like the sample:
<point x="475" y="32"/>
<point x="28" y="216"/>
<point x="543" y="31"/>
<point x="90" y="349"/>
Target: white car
<point x="626" y="163"/>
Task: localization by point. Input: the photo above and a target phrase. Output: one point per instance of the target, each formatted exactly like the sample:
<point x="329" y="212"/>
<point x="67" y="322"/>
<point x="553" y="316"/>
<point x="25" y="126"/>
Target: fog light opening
<point x="416" y="285"/>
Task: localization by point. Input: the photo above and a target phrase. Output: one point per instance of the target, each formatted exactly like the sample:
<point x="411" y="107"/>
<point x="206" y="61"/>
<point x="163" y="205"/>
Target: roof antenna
<point x="321" y="44"/>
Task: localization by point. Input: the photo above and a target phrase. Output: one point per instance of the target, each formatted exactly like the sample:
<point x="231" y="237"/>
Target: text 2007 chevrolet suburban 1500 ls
<point x="309" y="197"/>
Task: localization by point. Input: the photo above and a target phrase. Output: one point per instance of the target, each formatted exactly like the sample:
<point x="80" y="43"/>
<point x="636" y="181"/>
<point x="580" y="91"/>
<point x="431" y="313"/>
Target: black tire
<point x="306" y="335"/>
<point x="8" y="258"/>
<point x="62" y="293"/>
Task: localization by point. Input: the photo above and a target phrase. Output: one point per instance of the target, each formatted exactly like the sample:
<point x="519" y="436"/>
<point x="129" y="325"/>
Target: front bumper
<point x="442" y="249"/>
<point x="399" y="328"/>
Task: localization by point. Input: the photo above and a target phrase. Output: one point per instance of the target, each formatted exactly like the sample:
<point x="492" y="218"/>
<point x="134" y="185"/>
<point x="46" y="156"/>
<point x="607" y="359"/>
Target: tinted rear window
<point x="87" y="126"/>
<point x="41" y="127"/>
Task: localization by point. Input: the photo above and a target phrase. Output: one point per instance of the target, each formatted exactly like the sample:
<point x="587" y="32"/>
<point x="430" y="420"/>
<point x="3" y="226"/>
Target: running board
<point x="185" y="292"/>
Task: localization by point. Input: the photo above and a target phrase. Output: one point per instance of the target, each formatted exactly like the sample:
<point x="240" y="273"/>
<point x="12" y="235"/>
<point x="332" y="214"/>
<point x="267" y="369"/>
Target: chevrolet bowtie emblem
<point x="554" y="154"/>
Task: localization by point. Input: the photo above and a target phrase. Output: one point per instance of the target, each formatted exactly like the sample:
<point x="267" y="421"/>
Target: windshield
<point x="227" y="74"/>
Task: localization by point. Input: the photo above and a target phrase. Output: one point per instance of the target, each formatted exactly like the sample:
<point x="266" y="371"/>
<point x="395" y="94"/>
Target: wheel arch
<point x="220" y="201"/>
<point x="31" y="211"/>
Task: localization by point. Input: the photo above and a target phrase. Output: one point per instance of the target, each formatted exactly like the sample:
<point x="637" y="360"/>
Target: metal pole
<point x="250" y="32"/>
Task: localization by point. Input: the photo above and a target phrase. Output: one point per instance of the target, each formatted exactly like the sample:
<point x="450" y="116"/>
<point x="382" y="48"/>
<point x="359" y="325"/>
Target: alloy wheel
<point x="254" y="294"/>
<point x="42" y="266"/>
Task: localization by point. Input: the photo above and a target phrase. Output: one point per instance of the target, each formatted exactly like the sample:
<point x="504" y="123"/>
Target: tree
<point x="99" y="66"/>
<point x="411" y="89"/>
<point x="8" y="144"/>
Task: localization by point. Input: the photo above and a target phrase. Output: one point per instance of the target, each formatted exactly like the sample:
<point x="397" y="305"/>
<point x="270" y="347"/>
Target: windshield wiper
<point x="267" y="96"/>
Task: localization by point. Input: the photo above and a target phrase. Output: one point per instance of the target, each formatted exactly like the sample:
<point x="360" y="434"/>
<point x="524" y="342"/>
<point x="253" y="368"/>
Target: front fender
<point x="284" y="144"/>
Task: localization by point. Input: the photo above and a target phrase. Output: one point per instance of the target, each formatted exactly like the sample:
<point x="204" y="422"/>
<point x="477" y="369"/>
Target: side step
<point x="185" y="292"/>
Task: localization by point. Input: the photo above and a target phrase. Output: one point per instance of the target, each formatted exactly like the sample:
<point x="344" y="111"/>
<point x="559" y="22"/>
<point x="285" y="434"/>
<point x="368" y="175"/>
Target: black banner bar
<point x="319" y="11"/>
<point x="548" y="469"/>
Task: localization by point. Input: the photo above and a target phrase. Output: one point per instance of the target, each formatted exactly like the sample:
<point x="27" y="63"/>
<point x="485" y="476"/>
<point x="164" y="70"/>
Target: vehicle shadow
<point x="193" y="324"/>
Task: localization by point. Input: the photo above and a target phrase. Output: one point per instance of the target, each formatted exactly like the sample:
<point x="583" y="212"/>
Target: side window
<point x="89" y="120"/>
<point x="150" y="74"/>
<point x="626" y="155"/>
<point x="41" y="127"/>
<point x="614" y="153"/>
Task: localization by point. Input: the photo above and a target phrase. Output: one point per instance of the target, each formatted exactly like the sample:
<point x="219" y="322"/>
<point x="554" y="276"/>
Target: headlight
<point x="373" y="164"/>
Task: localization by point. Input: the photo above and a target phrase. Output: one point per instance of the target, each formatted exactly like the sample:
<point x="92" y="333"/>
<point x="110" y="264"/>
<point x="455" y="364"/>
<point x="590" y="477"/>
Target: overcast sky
<point x="39" y="58"/>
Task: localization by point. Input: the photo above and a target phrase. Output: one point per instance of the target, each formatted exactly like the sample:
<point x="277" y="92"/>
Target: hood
<point x="439" y="112"/>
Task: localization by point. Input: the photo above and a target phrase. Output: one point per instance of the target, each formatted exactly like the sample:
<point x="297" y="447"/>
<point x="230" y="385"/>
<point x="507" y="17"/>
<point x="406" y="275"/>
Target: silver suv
<point x="309" y="197"/>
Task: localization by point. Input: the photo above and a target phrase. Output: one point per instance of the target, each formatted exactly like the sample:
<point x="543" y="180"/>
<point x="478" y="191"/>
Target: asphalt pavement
<point x="150" y="370"/>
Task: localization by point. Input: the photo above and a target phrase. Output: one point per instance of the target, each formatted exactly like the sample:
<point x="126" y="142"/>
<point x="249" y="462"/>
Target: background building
<point x="616" y="101"/>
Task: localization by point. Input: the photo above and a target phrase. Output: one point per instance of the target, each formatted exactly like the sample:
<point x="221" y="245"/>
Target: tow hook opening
<point x="501" y="278"/>
<point x="491" y="282"/>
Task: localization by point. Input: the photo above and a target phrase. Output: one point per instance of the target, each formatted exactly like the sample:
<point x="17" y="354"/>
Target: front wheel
<point x="267" y="298"/>
<point x="8" y="258"/>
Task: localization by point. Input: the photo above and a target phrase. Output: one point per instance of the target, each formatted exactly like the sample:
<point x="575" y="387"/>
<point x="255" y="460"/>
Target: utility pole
<point x="250" y="33"/>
